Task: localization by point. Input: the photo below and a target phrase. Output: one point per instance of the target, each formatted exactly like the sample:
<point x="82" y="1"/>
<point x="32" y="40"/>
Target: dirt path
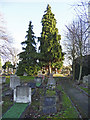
<point x="79" y="99"/>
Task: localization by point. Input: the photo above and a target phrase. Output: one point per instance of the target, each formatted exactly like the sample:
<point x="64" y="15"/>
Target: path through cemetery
<point x="79" y="99"/>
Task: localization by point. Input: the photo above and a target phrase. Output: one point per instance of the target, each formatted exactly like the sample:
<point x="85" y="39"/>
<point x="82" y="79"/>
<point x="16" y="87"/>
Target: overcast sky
<point x="18" y="13"/>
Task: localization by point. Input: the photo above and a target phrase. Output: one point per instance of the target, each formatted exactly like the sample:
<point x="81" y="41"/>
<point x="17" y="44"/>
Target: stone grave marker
<point x="89" y="79"/>
<point x="25" y="74"/>
<point x="0" y="80"/>
<point x="85" y="79"/>
<point x="51" y="83"/>
<point x="49" y="105"/>
<point x="32" y="84"/>
<point x="14" y="81"/>
<point x="3" y="79"/>
<point x="38" y="81"/>
<point x="22" y="94"/>
<point x="1" y="99"/>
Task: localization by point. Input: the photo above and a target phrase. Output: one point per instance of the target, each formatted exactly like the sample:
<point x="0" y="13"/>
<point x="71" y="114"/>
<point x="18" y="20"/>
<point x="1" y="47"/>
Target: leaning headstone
<point x="3" y="79"/>
<point x="49" y="105"/>
<point x="22" y="94"/>
<point x="14" y="81"/>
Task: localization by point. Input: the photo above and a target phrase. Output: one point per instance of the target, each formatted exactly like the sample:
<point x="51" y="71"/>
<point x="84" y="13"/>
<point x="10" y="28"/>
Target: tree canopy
<point x="50" y="48"/>
<point x="28" y="59"/>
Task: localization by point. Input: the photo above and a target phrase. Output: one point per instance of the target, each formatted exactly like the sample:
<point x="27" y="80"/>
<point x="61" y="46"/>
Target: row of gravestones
<point x="21" y="93"/>
<point x="49" y="103"/>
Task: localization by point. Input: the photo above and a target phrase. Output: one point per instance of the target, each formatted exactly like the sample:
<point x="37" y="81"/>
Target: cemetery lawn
<point x="6" y="104"/>
<point x="85" y="89"/>
<point x="16" y="110"/>
<point x="69" y="110"/>
<point x="50" y="93"/>
<point x="26" y="78"/>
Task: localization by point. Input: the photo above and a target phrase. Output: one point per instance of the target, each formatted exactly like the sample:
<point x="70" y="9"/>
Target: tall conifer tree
<point x="28" y="60"/>
<point x="50" y="48"/>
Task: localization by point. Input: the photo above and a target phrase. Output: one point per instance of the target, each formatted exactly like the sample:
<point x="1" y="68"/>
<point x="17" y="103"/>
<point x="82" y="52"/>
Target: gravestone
<point x="1" y="99"/>
<point x="14" y="81"/>
<point x="22" y="94"/>
<point x="25" y="74"/>
<point x="38" y="81"/>
<point x="32" y="85"/>
<point x="3" y="79"/>
<point x="49" y="105"/>
<point x="89" y="79"/>
<point x="51" y="82"/>
<point x="85" y="79"/>
<point x="0" y="80"/>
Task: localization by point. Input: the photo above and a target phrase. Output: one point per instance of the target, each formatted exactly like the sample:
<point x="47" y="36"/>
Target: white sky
<point x="18" y="13"/>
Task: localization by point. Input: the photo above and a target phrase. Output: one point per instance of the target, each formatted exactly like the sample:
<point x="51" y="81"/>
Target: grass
<point x="85" y="89"/>
<point x="15" y="111"/>
<point x="50" y="93"/>
<point x="26" y="78"/>
<point x="6" y="104"/>
<point x="68" y="109"/>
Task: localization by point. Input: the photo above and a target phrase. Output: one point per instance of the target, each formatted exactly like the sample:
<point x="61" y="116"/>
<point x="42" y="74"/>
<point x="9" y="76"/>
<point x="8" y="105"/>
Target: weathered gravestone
<point x="38" y="81"/>
<point x="32" y="84"/>
<point x="14" y="81"/>
<point x="0" y="80"/>
<point x="49" y="105"/>
<point x="1" y="99"/>
<point x="51" y="82"/>
<point x="85" y="79"/>
<point x="22" y="94"/>
<point x="3" y="79"/>
<point x="25" y="74"/>
<point x="89" y="79"/>
<point x="0" y="93"/>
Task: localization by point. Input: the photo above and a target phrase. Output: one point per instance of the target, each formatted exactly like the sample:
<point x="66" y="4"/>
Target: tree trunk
<point x="80" y="73"/>
<point x="50" y="69"/>
<point x="73" y="71"/>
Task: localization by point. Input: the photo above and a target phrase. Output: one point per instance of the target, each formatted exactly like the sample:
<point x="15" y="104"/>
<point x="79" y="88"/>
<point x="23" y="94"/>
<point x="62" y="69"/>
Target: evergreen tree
<point x="50" y="48"/>
<point x="28" y="56"/>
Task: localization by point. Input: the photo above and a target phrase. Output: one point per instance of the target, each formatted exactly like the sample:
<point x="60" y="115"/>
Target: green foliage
<point x="50" y="93"/>
<point x="50" y="48"/>
<point x="28" y="57"/>
<point x="7" y="65"/>
<point x="26" y="79"/>
<point x="6" y="104"/>
<point x="85" y="89"/>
